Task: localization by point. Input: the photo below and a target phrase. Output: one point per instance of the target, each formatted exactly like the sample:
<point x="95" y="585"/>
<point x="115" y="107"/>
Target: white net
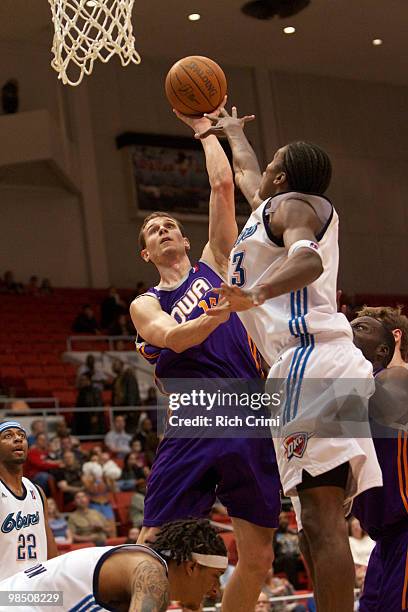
<point x="86" y="30"/>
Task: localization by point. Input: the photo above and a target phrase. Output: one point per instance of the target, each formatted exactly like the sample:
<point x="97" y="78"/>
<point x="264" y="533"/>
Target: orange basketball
<point x="195" y="85"/>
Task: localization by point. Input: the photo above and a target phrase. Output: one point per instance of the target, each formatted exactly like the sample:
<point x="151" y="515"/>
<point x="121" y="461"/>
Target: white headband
<point x="215" y="561"/>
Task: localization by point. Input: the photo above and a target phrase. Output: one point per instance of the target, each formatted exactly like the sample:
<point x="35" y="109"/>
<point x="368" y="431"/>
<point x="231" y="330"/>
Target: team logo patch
<point x="295" y="445"/>
<point x="32" y="494"/>
<point x="314" y="246"/>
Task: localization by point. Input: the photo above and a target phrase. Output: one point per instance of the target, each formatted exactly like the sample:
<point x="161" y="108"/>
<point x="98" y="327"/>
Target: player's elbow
<point x="223" y="185"/>
<point x="173" y="342"/>
<point x="314" y="266"/>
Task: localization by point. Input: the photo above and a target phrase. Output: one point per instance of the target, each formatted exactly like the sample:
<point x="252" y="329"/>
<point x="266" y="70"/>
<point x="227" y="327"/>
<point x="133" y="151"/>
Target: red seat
<point x="55" y="371"/>
<point x="59" y="383"/>
<point x="66" y="398"/>
<point x="32" y="371"/>
<point x="39" y="385"/>
<point x="27" y="359"/>
<point x="7" y="360"/>
<point x="11" y="374"/>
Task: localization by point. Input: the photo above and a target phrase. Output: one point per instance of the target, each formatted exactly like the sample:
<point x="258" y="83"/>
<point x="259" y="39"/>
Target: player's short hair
<point x="176" y="541"/>
<point x="154" y="215"/>
<point x="307" y="167"/>
<point x="392" y="318"/>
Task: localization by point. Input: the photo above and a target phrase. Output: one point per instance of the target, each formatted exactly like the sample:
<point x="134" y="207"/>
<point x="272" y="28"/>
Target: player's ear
<point x="280" y="178"/>
<point x="397" y="333"/>
<point x="187" y="243"/>
<point x="144" y="254"/>
<point x="190" y="567"/>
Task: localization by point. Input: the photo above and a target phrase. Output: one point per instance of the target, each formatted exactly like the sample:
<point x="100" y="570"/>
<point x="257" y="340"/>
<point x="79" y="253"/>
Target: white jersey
<point x="23" y="538"/>
<point x="254" y="258"/>
<point x="76" y="574"/>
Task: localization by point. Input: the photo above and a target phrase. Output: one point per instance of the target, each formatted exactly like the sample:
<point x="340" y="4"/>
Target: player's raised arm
<point x="149" y="588"/>
<point x="223" y="229"/>
<point x="160" y="329"/>
<point x="246" y="167"/>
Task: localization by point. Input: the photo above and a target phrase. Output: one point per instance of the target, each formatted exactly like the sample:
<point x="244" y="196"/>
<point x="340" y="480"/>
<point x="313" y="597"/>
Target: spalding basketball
<point x="195" y="85"/>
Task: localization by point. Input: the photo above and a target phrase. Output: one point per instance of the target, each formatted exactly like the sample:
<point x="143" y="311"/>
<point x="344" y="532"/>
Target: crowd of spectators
<point x="8" y="284"/>
<point x="114" y="317"/>
<point x="81" y="482"/>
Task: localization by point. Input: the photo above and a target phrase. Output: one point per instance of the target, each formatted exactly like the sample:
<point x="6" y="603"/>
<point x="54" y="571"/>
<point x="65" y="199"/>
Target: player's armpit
<point x="149" y="588"/>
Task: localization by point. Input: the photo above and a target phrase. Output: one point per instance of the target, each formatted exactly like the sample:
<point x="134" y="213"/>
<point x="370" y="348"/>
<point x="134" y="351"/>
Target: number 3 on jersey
<point x="238" y="275"/>
<point x="26" y="547"/>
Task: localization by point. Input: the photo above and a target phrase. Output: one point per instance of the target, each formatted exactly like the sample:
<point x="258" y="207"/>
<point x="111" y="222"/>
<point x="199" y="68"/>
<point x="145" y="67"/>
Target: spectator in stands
<point x="38" y="463"/>
<point x="98" y="487"/>
<point x="111" y="307"/>
<point x="46" y="287"/>
<point x="134" y="473"/>
<point x="88" y="423"/>
<point x="276" y="586"/>
<point x="69" y="477"/>
<point x="37" y="426"/>
<point x="361" y="544"/>
<point x="133" y="535"/>
<point x="136" y="510"/>
<point x="148" y="439"/>
<point x="58" y="524"/>
<point x="69" y="443"/>
<point x="86" y="524"/>
<point x="151" y="399"/>
<point x="18" y="406"/>
<point x="9" y="285"/>
<point x="32" y="287"/>
<point x="263" y="604"/>
<point x="287" y="551"/>
<point x="85" y="322"/>
<point x="122" y="326"/>
<point x="136" y="447"/>
<point x="94" y="371"/>
<point x="125" y="388"/>
<point x="117" y="439"/>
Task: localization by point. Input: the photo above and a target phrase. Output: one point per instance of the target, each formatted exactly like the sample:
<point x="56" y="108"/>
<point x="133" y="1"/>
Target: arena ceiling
<point x="333" y="37"/>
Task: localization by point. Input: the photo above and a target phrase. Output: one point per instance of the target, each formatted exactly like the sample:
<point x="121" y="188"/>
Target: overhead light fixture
<point x="377" y="42"/>
<point x="289" y="30"/>
<point x="194" y="16"/>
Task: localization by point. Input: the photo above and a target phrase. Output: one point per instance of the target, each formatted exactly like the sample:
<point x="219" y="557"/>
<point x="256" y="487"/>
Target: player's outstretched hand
<point x="239" y="299"/>
<point x="199" y="124"/>
<point x="222" y="121"/>
<point x="222" y="310"/>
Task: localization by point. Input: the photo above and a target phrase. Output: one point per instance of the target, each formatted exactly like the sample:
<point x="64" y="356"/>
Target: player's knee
<point x="257" y="560"/>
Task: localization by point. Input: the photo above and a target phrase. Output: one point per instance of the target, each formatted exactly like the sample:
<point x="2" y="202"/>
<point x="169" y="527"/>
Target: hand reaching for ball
<point x="200" y="124"/>
<point x="221" y="122"/>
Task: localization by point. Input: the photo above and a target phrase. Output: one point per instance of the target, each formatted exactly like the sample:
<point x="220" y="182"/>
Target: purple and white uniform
<point x="189" y="473"/>
<point x="383" y="513"/>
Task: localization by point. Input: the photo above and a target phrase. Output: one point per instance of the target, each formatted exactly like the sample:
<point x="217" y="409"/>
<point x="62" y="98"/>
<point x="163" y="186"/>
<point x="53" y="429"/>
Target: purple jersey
<point x="228" y="352"/>
<point x="384" y="510"/>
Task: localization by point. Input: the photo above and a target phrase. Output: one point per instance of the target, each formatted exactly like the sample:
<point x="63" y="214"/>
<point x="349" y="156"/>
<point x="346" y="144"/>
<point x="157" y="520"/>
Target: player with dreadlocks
<point x="282" y="281"/>
<point x="183" y="564"/>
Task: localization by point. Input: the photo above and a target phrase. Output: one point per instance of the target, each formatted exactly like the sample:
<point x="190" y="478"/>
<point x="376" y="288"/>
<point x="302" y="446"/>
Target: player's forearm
<point x="218" y="166"/>
<point x="296" y="272"/>
<point x="246" y="167"/>
<point x="189" y="334"/>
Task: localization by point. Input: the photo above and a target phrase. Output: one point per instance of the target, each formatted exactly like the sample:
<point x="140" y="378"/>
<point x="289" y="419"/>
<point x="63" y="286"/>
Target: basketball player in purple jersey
<point x="383" y="511"/>
<point x="184" y="342"/>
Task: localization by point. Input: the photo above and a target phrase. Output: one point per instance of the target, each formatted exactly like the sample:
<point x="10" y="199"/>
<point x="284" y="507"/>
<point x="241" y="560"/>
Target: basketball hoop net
<point x="86" y="30"/>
